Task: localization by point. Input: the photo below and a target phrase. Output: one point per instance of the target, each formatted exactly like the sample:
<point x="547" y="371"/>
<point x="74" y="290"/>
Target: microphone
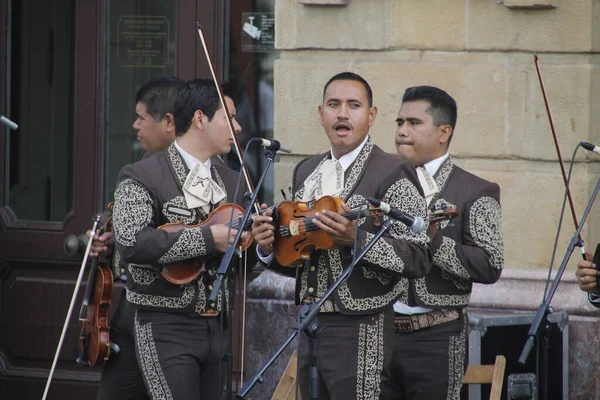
<point x="590" y="147"/>
<point x="274" y="145"/>
<point x="415" y="224"/>
<point x="8" y="122"/>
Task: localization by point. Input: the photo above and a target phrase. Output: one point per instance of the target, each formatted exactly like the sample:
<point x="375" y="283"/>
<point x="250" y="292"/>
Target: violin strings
<point x="310" y="226"/>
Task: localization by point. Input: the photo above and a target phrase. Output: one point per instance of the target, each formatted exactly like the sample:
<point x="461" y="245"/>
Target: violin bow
<point x="249" y="185"/>
<point x="557" y="146"/>
<point x="70" y="311"/>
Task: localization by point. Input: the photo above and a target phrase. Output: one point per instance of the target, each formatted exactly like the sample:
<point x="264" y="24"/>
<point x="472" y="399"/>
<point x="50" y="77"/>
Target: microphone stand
<point x="225" y="268"/>
<point x="545" y="309"/>
<point x="308" y="323"/>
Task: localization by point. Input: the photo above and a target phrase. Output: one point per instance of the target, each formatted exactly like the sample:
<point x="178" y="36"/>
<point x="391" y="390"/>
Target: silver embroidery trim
<point x="354" y="202"/>
<point x="441" y="177"/>
<point x="150" y="300"/>
<point x="382" y="253"/>
<point x="154" y="376"/>
<point x="177" y="164"/>
<point x="201" y="302"/>
<point x="190" y="244"/>
<point x="446" y="259"/>
<point x="367" y="303"/>
<point x="369" y="360"/>
<point x="404" y="195"/>
<point x="485" y="219"/>
<point x="142" y="276"/>
<point x="383" y="279"/>
<point x="303" y="283"/>
<point x="456" y="363"/>
<point x="459" y="283"/>
<point x="439" y="300"/>
<point x="132" y="211"/>
<point x="322" y="275"/>
<point x="171" y="207"/>
<point x="357" y="168"/>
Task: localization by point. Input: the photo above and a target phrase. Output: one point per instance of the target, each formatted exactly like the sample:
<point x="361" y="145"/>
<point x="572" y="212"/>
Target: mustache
<point x="342" y="123"/>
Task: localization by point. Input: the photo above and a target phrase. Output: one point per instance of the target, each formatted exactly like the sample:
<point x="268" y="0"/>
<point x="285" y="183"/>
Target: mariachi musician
<point x="431" y="327"/>
<point x="176" y="331"/>
<point x="155" y="125"/>
<point x="356" y="342"/>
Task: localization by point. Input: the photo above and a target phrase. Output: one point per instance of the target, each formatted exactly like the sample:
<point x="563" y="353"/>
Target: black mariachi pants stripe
<point x="179" y="355"/>
<point x="121" y="375"/>
<point x="428" y="363"/>
<point x="351" y="355"/>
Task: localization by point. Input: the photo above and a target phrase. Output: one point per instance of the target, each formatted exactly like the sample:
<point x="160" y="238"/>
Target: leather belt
<point x="327" y="306"/>
<point x="415" y="322"/>
<point x="210" y="313"/>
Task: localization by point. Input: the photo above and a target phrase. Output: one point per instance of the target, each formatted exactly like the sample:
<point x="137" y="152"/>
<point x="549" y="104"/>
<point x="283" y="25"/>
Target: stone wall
<point x="481" y="52"/>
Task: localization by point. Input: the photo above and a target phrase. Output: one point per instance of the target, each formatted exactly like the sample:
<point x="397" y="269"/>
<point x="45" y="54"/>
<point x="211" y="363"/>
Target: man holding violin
<point x="356" y="341"/>
<point x="430" y="323"/>
<point x="155" y="126"/>
<point x="176" y="332"/>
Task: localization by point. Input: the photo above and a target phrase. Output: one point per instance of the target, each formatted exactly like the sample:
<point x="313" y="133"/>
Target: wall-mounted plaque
<point x="143" y="41"/>
<point x="258" y="32"/>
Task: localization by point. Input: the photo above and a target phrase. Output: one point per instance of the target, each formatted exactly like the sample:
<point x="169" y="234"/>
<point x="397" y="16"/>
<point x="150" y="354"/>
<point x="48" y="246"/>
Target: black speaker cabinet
<point x="494" y="332"/>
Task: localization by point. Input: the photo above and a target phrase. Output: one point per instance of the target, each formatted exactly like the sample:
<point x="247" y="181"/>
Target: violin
<point x="186" y="271"/>
<point x="297" y="234"/>
<point x="441" y="212"/>
<point x="94" y="342"/>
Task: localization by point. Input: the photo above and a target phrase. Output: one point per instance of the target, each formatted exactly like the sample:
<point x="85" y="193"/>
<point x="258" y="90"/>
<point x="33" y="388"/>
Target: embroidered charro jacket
<point x="375" y="281"/>
<point x="149" y="194"/>
<point x="468" y="249"/>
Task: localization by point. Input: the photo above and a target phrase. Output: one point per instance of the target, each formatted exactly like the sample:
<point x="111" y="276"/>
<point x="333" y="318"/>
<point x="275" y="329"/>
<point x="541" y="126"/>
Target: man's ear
<point x="199" y="119"/>
<point x="170" y="119"/>
<point x="320" y="108"/>
<point x="445" y="134"/>
<point x="372" y="115"/>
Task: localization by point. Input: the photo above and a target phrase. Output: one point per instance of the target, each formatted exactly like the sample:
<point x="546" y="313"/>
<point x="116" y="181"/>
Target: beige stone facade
<point x="481" y="52"/>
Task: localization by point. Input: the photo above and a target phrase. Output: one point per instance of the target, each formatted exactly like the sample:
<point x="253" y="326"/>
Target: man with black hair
<point x="121" y="376"/>
<point x="176" y="330"/>
<point x="430" y="321"/>
<point x="356" y="341"/>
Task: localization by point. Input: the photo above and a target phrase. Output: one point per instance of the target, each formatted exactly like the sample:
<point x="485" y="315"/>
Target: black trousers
<point x="352" y="351"/>
<point x="427" y="364"/>
<point x="179" y="355"/>
<point x="121" y="376"/>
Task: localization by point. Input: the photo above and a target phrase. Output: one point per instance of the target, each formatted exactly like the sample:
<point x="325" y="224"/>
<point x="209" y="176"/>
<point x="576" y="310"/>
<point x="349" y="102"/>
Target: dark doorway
<point x="55" y="58"/>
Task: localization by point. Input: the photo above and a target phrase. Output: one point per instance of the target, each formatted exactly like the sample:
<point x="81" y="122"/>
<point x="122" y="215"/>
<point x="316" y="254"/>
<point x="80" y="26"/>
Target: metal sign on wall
<point x="143" y="41"/>
<point x="258" y="32"/>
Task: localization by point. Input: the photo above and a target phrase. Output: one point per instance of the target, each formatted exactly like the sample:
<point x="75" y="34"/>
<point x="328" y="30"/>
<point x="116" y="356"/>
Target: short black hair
<point x="442" y="107"/>
<point x="351" y="76"/>
<point x="197" y="94"/>
<point x="158" y="94"/>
